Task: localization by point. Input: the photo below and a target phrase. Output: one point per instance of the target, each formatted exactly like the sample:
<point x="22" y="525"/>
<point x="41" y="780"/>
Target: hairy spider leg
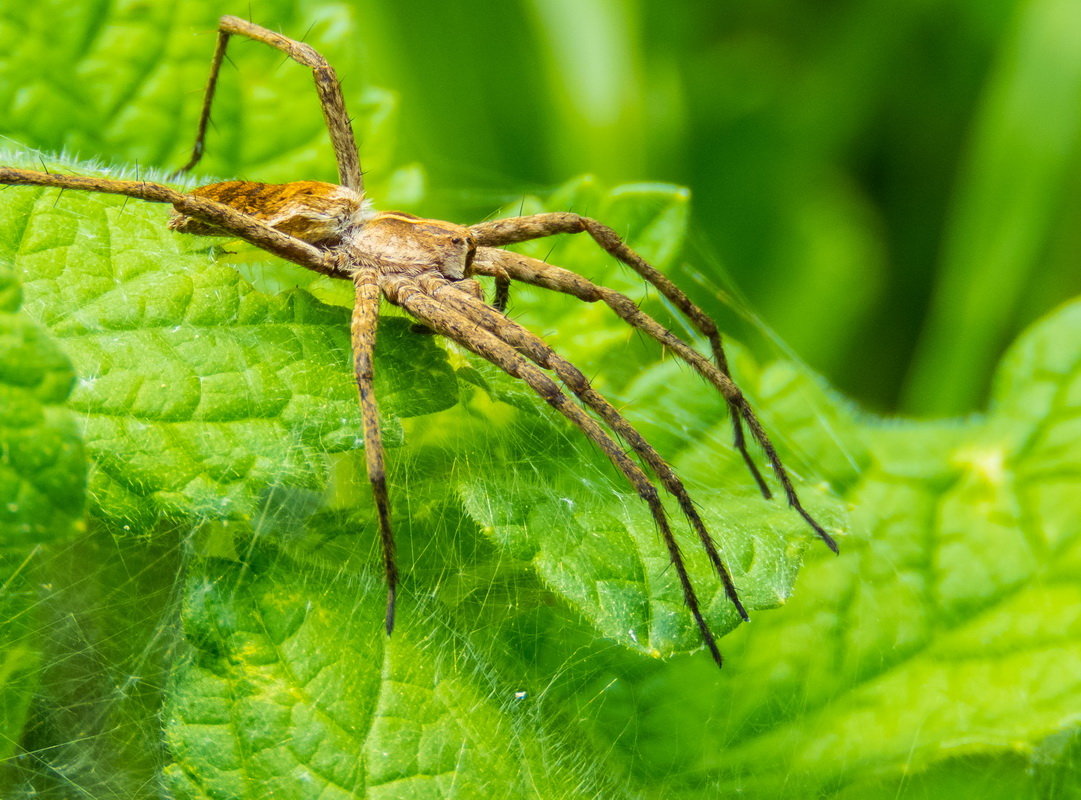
<point x="326" y="84"/>
<point x="218" y="215"/>
<point x="492" y="261"/>
<point x="365" y="324"/>
<point x="502" y="291"/>
<point x="536" y="226"/>
<point x="407" y="293"/>
<point x="538" y="351"/>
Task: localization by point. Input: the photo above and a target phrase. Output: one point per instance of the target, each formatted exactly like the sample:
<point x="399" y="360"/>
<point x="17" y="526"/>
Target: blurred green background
<point x="894" y="188"/>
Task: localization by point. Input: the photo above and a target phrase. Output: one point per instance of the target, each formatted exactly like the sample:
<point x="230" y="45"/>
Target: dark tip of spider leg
<point x="689" y="596"/>
<point x="703" y="626"/>
<point x="715" y="558"/>
<point x="391" y="602"/>
<point x="793" y="501"/>
<point x="763" y="487"/>
<point x="786" y="482"/>
<point x="831" y="543"/>
<point x="740" y="443"/>
<point x="714" y="650"/>
<point x="730" y="590"/>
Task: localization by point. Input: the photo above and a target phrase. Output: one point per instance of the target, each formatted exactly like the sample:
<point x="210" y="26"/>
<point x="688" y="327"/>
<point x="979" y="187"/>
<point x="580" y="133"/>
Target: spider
<point x="426" y="267"/>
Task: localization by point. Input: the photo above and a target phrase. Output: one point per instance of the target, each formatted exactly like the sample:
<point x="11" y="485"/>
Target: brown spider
<point x="425" y="267"/>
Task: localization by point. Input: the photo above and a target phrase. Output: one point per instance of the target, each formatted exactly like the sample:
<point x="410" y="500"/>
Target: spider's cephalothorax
<point x="413" y="246"/>
<point x="424" y="266"/>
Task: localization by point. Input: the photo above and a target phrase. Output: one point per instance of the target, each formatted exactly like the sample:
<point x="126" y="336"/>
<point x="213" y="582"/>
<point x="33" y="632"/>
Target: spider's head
<point x="412" y="245"/>
<point x="315" y="212"/>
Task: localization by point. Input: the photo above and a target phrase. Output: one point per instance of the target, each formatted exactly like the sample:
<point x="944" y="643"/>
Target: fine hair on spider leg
<point x="424" y="266"/>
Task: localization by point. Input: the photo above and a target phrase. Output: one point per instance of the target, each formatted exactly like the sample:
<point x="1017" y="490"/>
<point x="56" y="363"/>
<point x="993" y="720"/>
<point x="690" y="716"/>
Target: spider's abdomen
<point x="403" y="243"/>
<point x="315" y="212"/>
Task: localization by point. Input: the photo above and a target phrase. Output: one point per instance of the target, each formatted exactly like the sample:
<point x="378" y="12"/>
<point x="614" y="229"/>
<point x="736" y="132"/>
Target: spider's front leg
<point x="519" y="229"/>
<point x="499" y="232"/>
<point x="326" y="84"/>
<point x="222" y="217"/>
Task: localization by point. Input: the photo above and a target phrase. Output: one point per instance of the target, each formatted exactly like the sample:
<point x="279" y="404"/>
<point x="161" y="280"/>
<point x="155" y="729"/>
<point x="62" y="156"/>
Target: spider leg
<point x="538" y="351"/>
<point x="519" y="229"/>
<point x="326" y="84"/>
<point x="217" y="214"/>
<point x="502" y="291"/>
<point x="490" y="261"/>
<point x="408" y="294"/>
<point x="363" y="330"/>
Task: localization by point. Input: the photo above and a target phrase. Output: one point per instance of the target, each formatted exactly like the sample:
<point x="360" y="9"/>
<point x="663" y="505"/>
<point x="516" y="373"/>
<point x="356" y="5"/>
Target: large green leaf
<point x="200" y="396"/>
<point x="956" y="583"/>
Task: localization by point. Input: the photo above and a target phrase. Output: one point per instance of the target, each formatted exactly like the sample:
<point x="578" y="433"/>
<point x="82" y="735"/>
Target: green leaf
<point x="293" y="689"/>
<point x="934" y="658"/>
<point x="942" y="637"/>
<point x="42" y="469"/>
<point x="210" y="404"/>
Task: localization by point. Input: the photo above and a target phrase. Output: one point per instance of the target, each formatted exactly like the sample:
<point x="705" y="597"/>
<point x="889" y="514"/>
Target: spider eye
<point x="456" y="240"/>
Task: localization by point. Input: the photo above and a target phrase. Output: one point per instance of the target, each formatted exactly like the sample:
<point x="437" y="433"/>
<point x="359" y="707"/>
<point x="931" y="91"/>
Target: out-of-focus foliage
<point x="896" y="190"/>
